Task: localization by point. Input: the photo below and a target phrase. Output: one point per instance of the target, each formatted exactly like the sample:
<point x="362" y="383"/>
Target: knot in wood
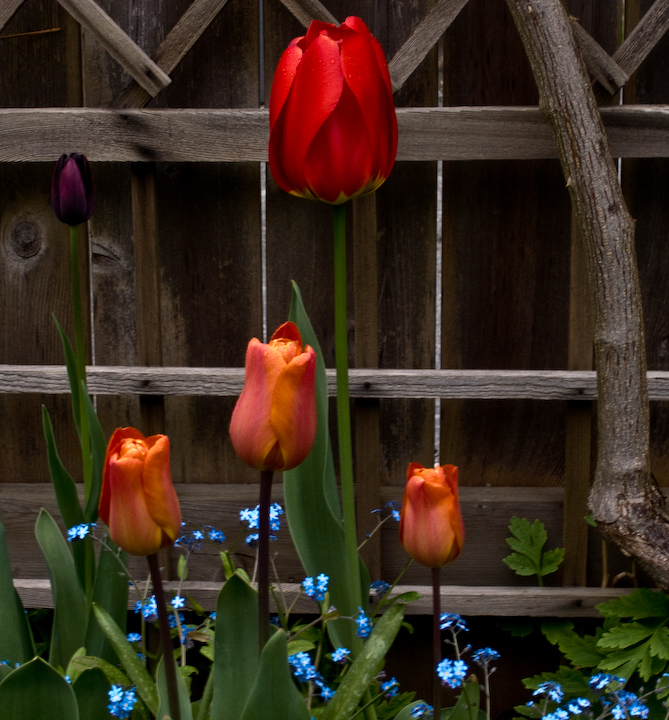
<point x="26" y="238"/>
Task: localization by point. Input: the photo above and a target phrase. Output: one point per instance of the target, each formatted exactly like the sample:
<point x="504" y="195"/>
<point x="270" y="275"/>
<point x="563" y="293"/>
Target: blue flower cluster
<point x="148" y="607"/>
<point x="340" y="655"/>
<point x="79" y="532"/>
<point x="192" y="540"/>
<point x="395" y="509"/>
<point x="303" y="669"/>
<point x="620" y="704"/>
<point x="251" y="517"/>
<point x="453" y="621"/>
<point x="452" y="672"/>
<point x="316" y="588"/>
<point x="364" y="623"/>
<point x="484" y="657"/>
<point x="390" y="688"/>
<point x="379" y="588"/>
<point x="422" y="710"/>
<point x="121" y="702"/>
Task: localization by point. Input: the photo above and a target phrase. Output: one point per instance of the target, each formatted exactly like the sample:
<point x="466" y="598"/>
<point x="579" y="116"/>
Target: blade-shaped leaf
<point x="146" y="688"/>
<point x="91" y="689"/>
<point x="98" y="452"/>
<point x="366" y="665"/>
<point x="110" y="593"/>
<point x="274" y="695"/>
<point x="236" y="659"/>
<point x="69" y="602"/>
<point x="312" y="505"/>
<point x="163" y="696"/>
<point x="467" y="706"/>
<point x="71" y="365"/>
<point x="36" y="691"/>
<point x="16" y="644"/>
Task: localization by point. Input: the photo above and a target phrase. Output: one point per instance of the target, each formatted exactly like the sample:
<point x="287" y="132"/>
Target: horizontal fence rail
<point x="364" y="383"/>
<point x="240" y="135"/>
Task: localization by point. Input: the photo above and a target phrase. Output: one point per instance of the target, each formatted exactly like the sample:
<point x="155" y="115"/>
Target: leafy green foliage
<point x="529" y="557"/>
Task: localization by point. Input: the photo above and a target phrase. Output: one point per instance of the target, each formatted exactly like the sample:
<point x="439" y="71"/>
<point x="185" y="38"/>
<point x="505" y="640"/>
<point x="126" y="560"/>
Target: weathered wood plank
<point x="643" y="38"/>
<point x="422" y="40"/>
<point x="364" y="383"/>
<point x="497" y="601"/>
<point x="240" y="135"/>
<point x="599" y="63"/>
<point x="174" y="47"/>
<point x="307" y="10"/>
<point x="118" y="44"/>
<point x="7" y="9"/>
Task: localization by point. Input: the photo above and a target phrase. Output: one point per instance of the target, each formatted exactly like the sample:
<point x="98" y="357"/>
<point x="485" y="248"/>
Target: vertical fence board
<point x="506" y="263"/>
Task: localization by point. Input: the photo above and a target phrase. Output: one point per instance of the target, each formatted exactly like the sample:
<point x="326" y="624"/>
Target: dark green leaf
<point x="91" y="689"/>
<point x="163" y="695"/>
<point x="98" y="454"/>
<point x="36" y="691"/>
<point x="70" y="611"/>
<point x="467" y="706"/>
<point x="659" y="643"/>
<point x="555" y="630"/>
<point x="16" y="643"/>
<point x="639" y="604"/>
<point x="81" y="663"/>
<point x="625" y="635"/>
<point x="72" y="376"/>
<point x="236" y="659"/>
<point x="550" y="561"/>
<point x="520" y="564"/>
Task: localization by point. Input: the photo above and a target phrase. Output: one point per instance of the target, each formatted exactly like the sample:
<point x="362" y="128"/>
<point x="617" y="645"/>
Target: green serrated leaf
<point x="639" y="604"/>
<point x="659" y="643"/>
<point x="520" y="564"/>
<point x="625" y="635"/>
<point x="555" y="630"/>
<point x="581" y="651"/>
<point x="624" y="663"/>
<point x="550" y="561"/>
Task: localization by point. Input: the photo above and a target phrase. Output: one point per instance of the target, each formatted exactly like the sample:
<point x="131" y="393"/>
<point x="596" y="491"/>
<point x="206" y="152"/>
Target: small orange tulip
<point x="138" y="502"/>
<point x="431" y="527"/>
<point x="273" y="425"/>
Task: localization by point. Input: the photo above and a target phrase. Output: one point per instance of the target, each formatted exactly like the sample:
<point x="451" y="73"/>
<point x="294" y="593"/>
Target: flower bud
<point x="138" y="501"/>
<point x="431" y="527"/>
<point x="72" y="189"/>
<point x="273" y="425"/>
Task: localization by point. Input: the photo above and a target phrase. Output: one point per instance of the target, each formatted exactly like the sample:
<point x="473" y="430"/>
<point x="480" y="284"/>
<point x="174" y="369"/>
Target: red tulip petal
<point x="130" y="523"/>
<point x="250" y="427"/>
<point x="161" y="497"/>
<point x="339" y="162"/>
<point x="360" y="66"/>
<point x="293" y="414"/>
<point x="314" y="95"/>
<point x="316" y="29"/>
<point x="283" y="79"/>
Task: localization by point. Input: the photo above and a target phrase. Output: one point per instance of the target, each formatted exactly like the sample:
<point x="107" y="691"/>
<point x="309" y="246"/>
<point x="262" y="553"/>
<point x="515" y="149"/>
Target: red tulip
<point x="72" y="189"/>
<point x="333" y="130"/>
<point x="431" y="527"/>
<point x="273" y="425"/>
<point x="138" y="502"/>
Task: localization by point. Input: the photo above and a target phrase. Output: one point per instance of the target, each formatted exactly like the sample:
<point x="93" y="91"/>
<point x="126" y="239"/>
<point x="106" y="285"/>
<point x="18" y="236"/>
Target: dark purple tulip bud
<point x="72" y="189"/>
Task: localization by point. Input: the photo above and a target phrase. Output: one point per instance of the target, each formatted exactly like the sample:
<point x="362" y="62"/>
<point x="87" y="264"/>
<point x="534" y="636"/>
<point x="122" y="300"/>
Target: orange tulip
<point x="138" y="502"/>
<point x="431" y="527"/>
<point x="273" y="425"/>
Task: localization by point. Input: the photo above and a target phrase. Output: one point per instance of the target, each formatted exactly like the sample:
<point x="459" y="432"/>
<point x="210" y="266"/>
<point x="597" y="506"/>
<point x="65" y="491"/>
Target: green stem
<point x="207" y="697"/>
<point x="80" y="354"/>
<point x="436" y="640"/>
<point x="263" y="556"/>
<point x="165" y="638"/>
<point x="343" y="410"/>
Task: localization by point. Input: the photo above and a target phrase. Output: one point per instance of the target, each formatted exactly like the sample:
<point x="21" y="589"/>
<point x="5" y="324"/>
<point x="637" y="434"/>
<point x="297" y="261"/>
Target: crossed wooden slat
<point x="151" y="75"/>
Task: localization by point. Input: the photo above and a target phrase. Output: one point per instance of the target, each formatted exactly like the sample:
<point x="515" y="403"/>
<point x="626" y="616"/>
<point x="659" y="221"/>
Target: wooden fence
<point x="192" y="248"/>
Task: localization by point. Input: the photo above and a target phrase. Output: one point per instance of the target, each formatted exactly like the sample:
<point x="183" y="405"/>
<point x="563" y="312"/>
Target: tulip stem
<point x="165" y="637"/>
<point x="263" y="556"/>
<point x="80" y="355"/>
<point x="436" y="639"/>
<point x="343" y="409"/>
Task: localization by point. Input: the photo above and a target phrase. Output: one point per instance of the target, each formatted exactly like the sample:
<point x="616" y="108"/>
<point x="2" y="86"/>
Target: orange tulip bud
<point x="138" y="502"/>
<point x="431" y="527"/>
<point x="273" y="425"/>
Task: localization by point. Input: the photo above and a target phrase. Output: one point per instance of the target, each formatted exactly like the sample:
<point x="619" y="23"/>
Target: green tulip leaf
<point x="92" y="691"/>
<point x="36" y="691"/>
<point x="69" y="602"/>
<point x="467" y="706"/>
<point x="163" y="696"/>
<point x="111" y="594"/>
<point x="139" y="675"/>
<point x="98" y="453"/>
<point x="274" y="695"/>
<point x="16" y="643"/>
<point x="405" y="712"/>
<point x="312" y="504"/>
<point x="81" y="662"/>
<point x="366" y="665"/>
<point x="72" y="376"/>
<point x="236" y="658"/>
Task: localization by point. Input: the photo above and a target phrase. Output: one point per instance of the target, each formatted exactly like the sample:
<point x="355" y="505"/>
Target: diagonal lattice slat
<point x="7" y="9"/>
<point x="648" y="32"/>
<point x="599" y="63"/>
<point x="307" y="10"/>
<point x="117" y="43"/>
<point x="174" y="47"/>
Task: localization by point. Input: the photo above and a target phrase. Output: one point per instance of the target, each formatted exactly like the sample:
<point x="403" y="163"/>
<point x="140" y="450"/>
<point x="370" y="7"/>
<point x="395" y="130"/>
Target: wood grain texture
<point x="422" y="40"/>
<point x="200" y="135"/>
<point x="96" y="21"/>
<point x="643" y="37"/>
<point x="599" y="63"/>
<point x="174" y="47"/>
<point x="307" y="10"/>
<point x="7" y="9"/>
